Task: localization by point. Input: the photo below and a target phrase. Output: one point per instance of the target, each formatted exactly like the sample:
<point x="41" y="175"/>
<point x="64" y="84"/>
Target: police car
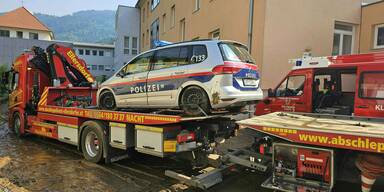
<point x="194" y="76"/>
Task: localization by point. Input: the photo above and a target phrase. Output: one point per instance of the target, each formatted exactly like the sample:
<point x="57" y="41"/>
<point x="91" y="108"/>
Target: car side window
<point x="372" y="85"/>
<point x="140" y="64"/>
<point x="292" y="86"/>
<point x="166" y="58"/>
<point x="199" y="54"/>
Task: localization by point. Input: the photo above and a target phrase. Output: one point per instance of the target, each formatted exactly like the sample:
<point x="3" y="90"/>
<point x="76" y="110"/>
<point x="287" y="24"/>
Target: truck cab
<point x="341" y="85"/>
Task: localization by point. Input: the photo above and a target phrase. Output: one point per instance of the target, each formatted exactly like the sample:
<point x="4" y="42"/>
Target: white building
<point x="127" y="35"/>
<point x="99" y="57"/>
<point x="20" y="23"/>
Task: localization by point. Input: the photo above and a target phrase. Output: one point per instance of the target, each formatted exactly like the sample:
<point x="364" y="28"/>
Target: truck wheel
<point x="16" y="124"/>
<point x="107" y="101"/>
<point x="193" y="99"/>
<point x="92" y="141"/>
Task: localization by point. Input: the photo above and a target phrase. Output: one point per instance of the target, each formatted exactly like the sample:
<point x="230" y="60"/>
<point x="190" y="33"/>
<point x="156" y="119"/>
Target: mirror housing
<point x="121" y="74"/>
<point x="271" y="93"/>
<point x="5" y="78"/>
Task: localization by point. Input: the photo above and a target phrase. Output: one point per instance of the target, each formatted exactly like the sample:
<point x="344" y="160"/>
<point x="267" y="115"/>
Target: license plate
<point x="250" y="82"/>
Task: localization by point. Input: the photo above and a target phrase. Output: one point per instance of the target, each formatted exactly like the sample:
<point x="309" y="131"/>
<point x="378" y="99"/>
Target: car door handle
<point x="179" y="72"/>
<point x="362" y="107"/>
<point x="300" y="103"/>
<point x="141" y="78"/>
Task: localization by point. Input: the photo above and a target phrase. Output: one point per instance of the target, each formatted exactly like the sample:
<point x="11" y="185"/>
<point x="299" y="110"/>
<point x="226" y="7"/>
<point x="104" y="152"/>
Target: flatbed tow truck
<point x="52" y="94"/>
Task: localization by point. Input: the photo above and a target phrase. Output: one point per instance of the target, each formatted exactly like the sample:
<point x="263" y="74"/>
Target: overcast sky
<point x="63" y="7"/>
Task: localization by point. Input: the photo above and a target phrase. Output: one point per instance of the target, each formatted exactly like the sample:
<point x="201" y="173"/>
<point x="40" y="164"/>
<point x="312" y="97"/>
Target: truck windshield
<point x="235" y="52"/>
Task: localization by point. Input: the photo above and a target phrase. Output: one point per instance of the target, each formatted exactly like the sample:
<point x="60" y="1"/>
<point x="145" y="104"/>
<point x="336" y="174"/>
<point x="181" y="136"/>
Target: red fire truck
<point x="338" y="112"/>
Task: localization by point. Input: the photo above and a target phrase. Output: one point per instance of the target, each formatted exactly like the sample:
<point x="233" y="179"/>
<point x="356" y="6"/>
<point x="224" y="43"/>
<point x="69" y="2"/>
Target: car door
<point x="369" y="100"/>
<point x="294" y="93"/>
<point x="166" y="76"/>
<point x="132" y="90"/>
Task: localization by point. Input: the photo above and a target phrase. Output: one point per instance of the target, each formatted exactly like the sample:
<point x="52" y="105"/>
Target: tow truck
<point x="52" y="94"/>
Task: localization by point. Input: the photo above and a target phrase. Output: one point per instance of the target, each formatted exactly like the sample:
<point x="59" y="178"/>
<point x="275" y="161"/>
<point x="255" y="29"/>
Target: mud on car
<point x="194" y="76"/>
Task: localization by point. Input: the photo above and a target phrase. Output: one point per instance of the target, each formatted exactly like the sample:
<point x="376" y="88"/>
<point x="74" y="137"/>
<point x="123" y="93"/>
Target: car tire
<point x="92" y="142"/>
<point x="107" y="101"/>
<point x="16" y="124"/>
<point x="194" y="100"/>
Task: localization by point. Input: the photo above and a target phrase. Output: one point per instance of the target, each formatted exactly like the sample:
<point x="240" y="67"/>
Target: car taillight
<point x="232" y="67"/>
<point x="185" y="136"/>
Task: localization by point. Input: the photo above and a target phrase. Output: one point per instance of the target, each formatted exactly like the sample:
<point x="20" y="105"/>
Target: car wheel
<point x="16" y="124"/>
<point x="92" y="142"/>
<point x="107" y="101"/>
<point x="194" y="100"/>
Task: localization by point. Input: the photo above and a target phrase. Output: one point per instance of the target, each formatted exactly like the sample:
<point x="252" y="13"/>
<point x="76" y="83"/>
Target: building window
<point x="379" y="37"/>
<point x="94" y="67"/>
<point x="101" y="67"/>
<point x="19" y="34"/>
<point x="126" y="45"/>
<point x="215" y="34"/>
<point x="4" y="33"/>
<point x="343" y="39"/>
<point x="148" y="9"/>
<point x="154" y="4"/>
<point x="33" y="36"/>
<point x="143" y="14"/>
<point x="163" y="24"/>
<point x="143" y="41"/>
<point x="81" y="51"/>
<point x="147" y="36"/>
<point x="182" y="30"/>
<point x="154" y="32"/>
<point x="101" y="53"/>
<point x="134" y="46"/>
<point x="108" y="68"/>
<point x="173" y="16"/>
<point x="94" y="52"/>
<point x="197" y="5"/>
<point x="87" y="52"/>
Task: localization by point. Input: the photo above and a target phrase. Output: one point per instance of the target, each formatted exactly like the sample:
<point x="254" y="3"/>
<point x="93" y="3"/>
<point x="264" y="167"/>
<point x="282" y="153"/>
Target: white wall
<point x="43" y="35"/>
<point x="127" y="24"/>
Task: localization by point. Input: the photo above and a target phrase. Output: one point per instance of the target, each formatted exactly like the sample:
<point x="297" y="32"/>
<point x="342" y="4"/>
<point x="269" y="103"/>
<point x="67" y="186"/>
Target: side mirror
<point x="271" y="93"/>
<point x="5" y="78"/>
<point x="121" y="73"/>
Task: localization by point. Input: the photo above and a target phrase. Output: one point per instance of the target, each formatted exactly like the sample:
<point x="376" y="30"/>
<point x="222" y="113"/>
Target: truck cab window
<point x="292" y="86"/>
<point x="15" y="80"/>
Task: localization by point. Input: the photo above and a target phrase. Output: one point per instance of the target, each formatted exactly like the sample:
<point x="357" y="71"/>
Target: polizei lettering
<point x="146" y="88"/>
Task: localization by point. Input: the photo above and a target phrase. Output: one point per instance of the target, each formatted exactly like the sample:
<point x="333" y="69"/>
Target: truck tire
<point x="16" y="124"/>
<point x="92" y="141"/>
<point x="107" y="101"/>
<point x="193" y="100"/>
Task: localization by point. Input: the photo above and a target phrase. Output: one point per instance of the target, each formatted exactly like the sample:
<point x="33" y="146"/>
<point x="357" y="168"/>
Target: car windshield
<point x="235" y="52"/>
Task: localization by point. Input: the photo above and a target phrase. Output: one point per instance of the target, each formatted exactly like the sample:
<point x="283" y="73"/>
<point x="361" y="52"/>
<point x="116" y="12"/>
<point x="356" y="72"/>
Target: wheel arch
<point x="102" y="90"/>
<point x="105" y="131"/>
<point x="190" y="84"/>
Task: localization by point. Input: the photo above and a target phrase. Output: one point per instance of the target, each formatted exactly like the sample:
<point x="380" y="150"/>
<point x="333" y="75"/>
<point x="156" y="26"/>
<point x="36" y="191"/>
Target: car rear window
<point x="235" y="52"/>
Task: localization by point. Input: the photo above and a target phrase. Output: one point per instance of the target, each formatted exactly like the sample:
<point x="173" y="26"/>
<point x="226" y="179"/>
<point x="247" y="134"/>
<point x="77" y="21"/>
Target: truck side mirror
<point x="271" y="93"/>
<point x="5" y="78"/>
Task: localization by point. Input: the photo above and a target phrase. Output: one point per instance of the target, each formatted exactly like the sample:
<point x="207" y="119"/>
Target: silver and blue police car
<point x="194" y="76"/>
